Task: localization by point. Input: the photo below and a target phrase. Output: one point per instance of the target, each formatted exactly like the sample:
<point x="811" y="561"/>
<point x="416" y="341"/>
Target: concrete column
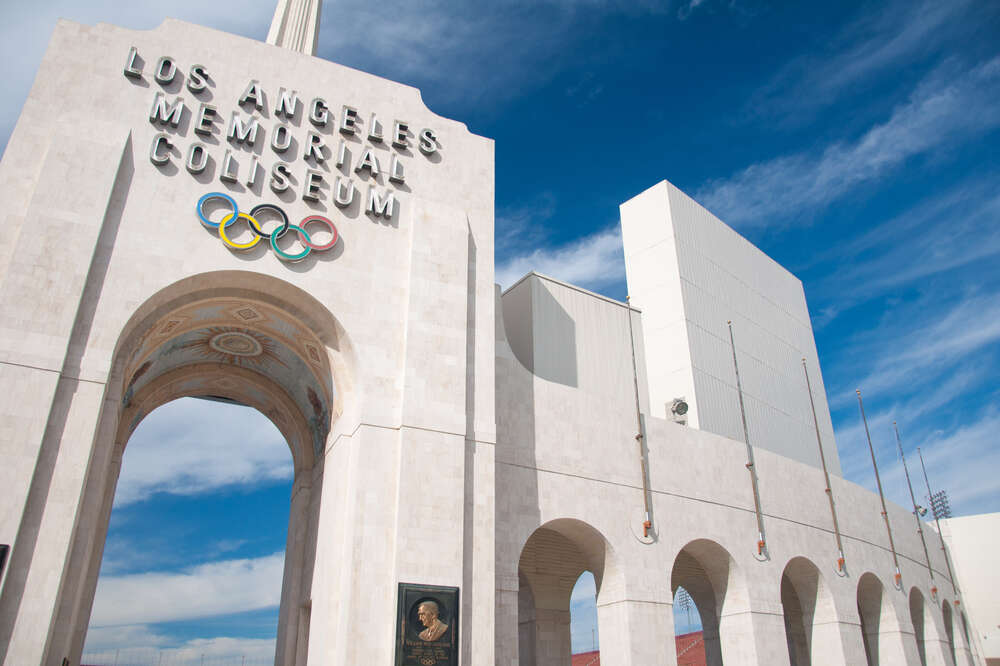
<point x="758" y="637"/>
<point x="506" y="638"/>
<point x="53" y="513"/>
<point x="895" y="648"/>
<point x="938" y="653"/>
<point x="526" y="627"/>
<point x="47" y="325"/>
<point x="552" y="637"/>
<point x="963" y="651"/>
<point x="713" y="642"/>
<point x="291" y="585"/>
<point x="636" y="633"/>
<point x="835" y="643"/>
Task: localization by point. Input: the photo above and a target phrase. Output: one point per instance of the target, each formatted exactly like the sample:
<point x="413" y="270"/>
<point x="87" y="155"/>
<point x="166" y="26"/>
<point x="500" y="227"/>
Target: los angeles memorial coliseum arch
<point x="190" y="213"/>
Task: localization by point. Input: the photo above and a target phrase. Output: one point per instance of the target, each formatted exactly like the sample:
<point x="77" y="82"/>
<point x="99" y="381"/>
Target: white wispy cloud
<point x="593" y="261"/>
<point x="216" y="588"/>
<point x="946" y="108"/>
<point x="910" y="353"/>
<point x="926" y="365"/>
<point x="469" y="51"/>
<point x="123" y="554"/>
<point x="949" y="230"/>
<point x="27" y="27"/>
<point x="521" y="227"/>
<point x="892" y="36"/>
<point x="971" y="488"/>
<point x="168" y="451"/>
<point x="139" y="644"/>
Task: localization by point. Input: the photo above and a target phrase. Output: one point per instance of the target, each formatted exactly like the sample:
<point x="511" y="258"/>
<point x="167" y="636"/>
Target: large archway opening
<point x="925" y="630"/>
<point x="553" y="561"/>
<point x="234" y="336"/>
<point x="689" y="641"/>
<point x="193" y="560"/>
<point x="870" y="593"/>
<point x="810" y="617"/>
<point x="885" y="640"/>
<point x="949" y="629"/>
<point x="707" y="572"/>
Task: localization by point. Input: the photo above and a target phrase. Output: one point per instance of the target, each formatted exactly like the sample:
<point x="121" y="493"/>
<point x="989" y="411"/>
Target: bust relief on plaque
<point x="427" y="625"/>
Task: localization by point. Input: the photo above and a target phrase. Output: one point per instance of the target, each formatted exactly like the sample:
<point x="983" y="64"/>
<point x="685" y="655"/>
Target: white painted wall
<point x="974" y="544"/>
<point x="689" y="273"/>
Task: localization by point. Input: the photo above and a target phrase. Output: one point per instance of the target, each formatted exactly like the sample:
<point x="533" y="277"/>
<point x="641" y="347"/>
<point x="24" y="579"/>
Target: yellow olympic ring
<point x="254" y="226"/>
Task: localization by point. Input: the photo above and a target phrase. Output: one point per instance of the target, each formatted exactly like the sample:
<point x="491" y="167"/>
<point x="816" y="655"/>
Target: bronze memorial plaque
<point x="427" y="625"/>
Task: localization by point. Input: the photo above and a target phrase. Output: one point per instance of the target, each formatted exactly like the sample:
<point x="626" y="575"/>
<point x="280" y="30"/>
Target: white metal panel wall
<point x="721" y="276"/>
<point x="581" y="340"/>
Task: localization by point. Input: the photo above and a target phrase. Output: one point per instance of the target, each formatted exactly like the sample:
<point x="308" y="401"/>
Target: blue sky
<point x="856" y="143"/>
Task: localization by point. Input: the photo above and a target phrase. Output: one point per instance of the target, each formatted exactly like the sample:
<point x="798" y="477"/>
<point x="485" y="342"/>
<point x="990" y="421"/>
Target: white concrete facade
<point x="973" y="542"/>
<point x="425" y="412"/>
<point x="690" y="274"/>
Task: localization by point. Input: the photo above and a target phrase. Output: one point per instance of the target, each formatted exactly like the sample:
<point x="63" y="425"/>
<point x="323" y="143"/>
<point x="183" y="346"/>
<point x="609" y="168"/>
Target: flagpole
<point x="878" y="480"/>
<point x="916" y="512"/>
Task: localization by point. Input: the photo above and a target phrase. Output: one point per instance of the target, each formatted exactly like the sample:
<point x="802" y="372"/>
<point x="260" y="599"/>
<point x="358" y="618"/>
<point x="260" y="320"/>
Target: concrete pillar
<point x="938" y="653"/>
<point x="713" y="642"/>
<point x="636" y="633"/>
<point x="506" y="639"/>
<point x="834" y="643"/>
<point x="895" y="648"/>
<point x="552" y="637"/>
<point x="526" y="618"/>
<point x="766" y="644"/>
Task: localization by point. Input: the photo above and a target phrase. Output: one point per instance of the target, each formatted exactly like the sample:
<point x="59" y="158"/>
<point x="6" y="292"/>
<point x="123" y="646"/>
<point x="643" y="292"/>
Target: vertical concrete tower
<point x="690" y="274"/>
<point x="296" y="25"/>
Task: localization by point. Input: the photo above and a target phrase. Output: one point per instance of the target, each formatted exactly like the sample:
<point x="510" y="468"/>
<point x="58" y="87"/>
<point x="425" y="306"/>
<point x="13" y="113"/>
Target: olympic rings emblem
<point x="258" y="232"/>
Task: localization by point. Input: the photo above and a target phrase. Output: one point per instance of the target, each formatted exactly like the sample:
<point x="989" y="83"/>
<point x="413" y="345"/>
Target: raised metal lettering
<point x="243" y="132"/>
<point x="197" y="158"/>
<point x="375" y="130"/>
<point x="315" y="148"/>
<point x="279" y="176"/>
<point x="159" y="150"/>
<point x="160" y="112"/>
<point x="343" y="192"/>
<point x="348" y="120"/>
<point x="253" y="95"/>
<point x="287" y="104"/>
<point x="341" y="153"/>
<point x="310" y="189"/>
<point x="230" y="168"/>
<point x="396" y="170"/>
<point x="165" y="70"/>
<point x="319" y="113"/>
<point x="368" y="161"/>
<point x="401" y="134"/>
<point x="130" y="65"/>
<point x="205" y="119"/>
<point x="378" y="206"/>
<point x="281" y="138"/>
<point x="197" y="78"/>
<point x="428" y="142"/>
<point x="254" y="166"/>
